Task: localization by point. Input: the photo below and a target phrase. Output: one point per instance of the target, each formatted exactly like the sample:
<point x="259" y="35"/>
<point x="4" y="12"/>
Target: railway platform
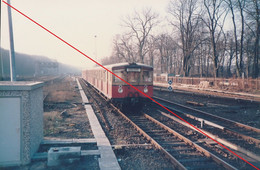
<point x="70" y="123"/>
<point x="107" y="158"/>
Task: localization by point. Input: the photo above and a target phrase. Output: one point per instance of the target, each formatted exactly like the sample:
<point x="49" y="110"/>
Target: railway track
<point x="183" y="153"/>
<point x="243" y="136"/>
<point x="213" y="93"/>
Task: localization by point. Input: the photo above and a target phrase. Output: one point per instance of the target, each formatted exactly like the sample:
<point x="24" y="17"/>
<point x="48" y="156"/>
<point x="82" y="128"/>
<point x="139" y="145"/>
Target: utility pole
<point x="1" y="59"/>
<point x="96" y="56"/>
<point x="12" y="54"/>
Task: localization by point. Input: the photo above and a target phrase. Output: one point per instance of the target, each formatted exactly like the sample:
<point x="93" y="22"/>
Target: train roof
<point x="111" y="66"/>
<point x="127" y="64"/>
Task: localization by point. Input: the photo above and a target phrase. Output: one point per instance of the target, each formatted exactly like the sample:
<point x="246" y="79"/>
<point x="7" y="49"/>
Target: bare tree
<point x="166" y="48"/>
<point x="140" y="26"/>
<point x="222" y="52"/>
<point x="186" y="20"/>
<point x="215" y="13"/>
<point x="123" y="48"/>
<point x="249" y="49"/>
<point x="202" y="52"/>
<point x="239" y="5"/>
<point x="151" y="50"/>
<point x="231" y="48"/>
<point x="109" y="60"/>
<point x="253" y="15"/>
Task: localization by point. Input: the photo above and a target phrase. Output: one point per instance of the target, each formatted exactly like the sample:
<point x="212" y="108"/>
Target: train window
<point x="147" y="76"/>
<point x="120" y="73"/>
<point x="133" y="77"/>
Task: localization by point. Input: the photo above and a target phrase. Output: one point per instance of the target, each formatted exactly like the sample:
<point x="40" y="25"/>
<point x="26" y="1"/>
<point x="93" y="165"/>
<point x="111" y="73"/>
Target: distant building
<point x="46" y="68"/>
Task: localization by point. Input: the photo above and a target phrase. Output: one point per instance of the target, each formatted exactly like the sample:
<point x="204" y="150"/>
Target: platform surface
<point x="107" y="160"/>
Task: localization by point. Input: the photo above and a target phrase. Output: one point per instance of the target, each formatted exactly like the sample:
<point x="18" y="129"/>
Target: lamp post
<point x="1" y="59"/>
<point x="96" y="57"/>
<point x="12" y="54"/>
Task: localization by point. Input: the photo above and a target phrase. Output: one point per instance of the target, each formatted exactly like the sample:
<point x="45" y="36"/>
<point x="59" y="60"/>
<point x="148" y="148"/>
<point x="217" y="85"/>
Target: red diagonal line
<point x="128" y="83"/>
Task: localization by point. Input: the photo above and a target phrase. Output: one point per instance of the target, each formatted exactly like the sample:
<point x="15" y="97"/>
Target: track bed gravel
<point x="154" y="111"/>
<point x="245" y="112"/>
<point x="124" y="136"/>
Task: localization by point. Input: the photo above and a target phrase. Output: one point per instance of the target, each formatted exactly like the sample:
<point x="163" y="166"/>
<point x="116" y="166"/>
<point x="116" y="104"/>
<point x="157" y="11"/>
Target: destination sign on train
<point x="133" y="70"/>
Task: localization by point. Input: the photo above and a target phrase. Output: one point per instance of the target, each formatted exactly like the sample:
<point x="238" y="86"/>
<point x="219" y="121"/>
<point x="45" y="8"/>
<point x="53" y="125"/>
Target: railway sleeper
<point x="147" y="130"/>
<point x="184" y="157"/>
<point x="211" y="166"/>
<point x="166" y="138"/>
<point x="196" y="159"/>
<point x="152" y="134"/>
<point x="136" y="119"/>
<point x="179" y="149"/>
<point x="142" y="122"/>
<point x="145" y="126"/>
<point x="176" y="155"/>
<point x="157" y="131"/>
<point x="249" y="133"/>
<point x="174" y="144"/>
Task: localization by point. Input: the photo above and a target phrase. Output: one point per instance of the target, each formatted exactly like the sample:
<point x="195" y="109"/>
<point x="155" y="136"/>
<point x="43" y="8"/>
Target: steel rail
<point x="175" y="162"/>
<point x="223" y="141"/>
<point x="209" y="154"/>
<point x="250" y="128"/>
<point x="217" y="138"/>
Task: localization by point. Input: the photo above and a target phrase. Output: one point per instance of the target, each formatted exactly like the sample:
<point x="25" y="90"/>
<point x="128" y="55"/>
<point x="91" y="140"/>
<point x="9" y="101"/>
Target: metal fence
<point x="232" y="83"/>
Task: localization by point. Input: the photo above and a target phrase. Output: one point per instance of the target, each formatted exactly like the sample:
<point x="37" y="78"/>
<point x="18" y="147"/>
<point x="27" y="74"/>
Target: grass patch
<point x="51" y="121"/>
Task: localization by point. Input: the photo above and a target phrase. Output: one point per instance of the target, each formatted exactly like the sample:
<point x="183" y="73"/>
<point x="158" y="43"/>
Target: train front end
<point x="138" y="75"/>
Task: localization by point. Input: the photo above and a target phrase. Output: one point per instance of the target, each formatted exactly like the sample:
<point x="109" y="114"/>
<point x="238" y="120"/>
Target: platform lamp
<point x="12" y="54"/>
<point x="1" y="59"/>
<point x="96" y="56"/>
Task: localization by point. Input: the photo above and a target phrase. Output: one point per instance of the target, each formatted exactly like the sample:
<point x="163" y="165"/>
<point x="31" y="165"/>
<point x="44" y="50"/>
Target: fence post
<point x="243" y="81"/>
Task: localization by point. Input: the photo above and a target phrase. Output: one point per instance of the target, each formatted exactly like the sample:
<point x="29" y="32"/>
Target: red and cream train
<point x="138" y="75"/>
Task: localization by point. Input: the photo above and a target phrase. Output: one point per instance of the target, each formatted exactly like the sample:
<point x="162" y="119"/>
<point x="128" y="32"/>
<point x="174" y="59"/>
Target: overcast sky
<point x="77" y="22"/>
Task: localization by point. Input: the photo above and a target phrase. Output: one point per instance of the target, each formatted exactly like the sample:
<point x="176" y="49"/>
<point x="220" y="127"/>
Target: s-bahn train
<point x="138" y="75"/>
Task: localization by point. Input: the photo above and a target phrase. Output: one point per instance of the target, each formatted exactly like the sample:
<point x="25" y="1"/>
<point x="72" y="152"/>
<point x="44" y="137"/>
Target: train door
<point x="107" y="82"/>
<point x="101" y="79"/>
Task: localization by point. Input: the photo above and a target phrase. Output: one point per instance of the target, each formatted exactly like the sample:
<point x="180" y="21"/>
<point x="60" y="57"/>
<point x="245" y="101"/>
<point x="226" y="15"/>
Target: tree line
<point x="205" y="38"/>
